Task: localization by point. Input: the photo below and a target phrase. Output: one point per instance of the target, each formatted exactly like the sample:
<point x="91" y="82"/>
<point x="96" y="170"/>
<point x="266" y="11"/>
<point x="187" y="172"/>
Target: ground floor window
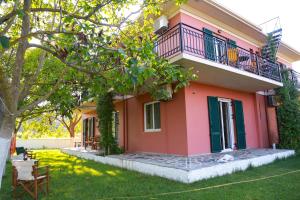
<point x="152" y="116"/>
<point x="88" y="129"/>
<point x="115" y="125"/>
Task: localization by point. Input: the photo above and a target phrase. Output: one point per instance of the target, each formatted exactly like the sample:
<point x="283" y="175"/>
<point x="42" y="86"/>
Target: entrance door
<point x="227" y="129"/>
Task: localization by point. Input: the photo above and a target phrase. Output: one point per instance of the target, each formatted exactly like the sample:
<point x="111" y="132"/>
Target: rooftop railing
<point x="183" y="38"/>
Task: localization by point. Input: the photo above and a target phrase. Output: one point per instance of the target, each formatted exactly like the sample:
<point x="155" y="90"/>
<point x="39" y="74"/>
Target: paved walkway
<point x="194" y="162"/>
<point x="186" y="169"/>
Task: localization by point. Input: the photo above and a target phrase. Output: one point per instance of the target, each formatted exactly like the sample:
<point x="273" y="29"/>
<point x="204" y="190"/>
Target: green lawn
<point x="74" y="178"/>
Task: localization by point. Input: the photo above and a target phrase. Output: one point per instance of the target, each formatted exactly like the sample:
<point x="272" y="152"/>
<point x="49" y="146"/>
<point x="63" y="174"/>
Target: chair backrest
<point x="20" y="150"/>
<point x="24" y="169"/>
<point x="97" y="139"/>
<point x="232" y="55"/>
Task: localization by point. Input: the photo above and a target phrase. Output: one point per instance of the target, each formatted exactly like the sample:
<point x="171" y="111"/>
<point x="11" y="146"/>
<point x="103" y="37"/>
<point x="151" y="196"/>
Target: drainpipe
<point x="267" y="120"/>
<point x="125" y="126"/>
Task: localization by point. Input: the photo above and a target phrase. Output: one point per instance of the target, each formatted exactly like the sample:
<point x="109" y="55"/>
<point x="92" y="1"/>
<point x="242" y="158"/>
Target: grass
<point x="74" y="178"/>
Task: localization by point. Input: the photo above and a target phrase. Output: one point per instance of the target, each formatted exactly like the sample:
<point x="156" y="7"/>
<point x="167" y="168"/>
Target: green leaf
<point x="4" y="41"/>
<point x="50" y="36"/>
<point x="20" y="13"/>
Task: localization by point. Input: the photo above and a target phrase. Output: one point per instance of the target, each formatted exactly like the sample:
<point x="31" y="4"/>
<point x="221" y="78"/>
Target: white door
<point x="227" y="136"/>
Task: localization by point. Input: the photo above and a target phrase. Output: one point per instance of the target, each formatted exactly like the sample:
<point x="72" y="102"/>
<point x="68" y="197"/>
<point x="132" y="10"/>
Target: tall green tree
<point x="90" y="36"/>
<point x="288" y="113"/>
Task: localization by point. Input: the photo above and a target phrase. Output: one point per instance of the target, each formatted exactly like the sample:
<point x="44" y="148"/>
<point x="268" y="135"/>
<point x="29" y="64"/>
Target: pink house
<point x="229" y="106"/>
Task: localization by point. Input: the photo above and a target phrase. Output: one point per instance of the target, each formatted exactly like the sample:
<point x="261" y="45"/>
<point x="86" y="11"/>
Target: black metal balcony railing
<point x="183" y="38"/>
<point x="295" y="76"/>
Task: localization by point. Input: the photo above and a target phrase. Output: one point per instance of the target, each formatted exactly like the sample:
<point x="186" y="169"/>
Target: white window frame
<point x="145" y="121"/>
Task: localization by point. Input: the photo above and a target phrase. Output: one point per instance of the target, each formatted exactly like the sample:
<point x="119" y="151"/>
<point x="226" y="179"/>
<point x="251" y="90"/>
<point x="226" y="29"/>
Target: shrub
<point x="288" y="113"/>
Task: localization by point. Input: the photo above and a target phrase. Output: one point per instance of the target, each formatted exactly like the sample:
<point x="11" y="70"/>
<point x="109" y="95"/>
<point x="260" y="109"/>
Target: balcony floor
<point x="221" y="75"/>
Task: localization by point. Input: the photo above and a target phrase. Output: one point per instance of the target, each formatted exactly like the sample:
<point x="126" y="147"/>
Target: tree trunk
<point x="5" y="139"/>
<point x="72" y="130"/>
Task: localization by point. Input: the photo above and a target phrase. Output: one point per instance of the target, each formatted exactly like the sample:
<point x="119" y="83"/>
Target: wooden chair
<point x="89" y="142"/>
<point x="233" y="56"/>
<point x="22" y="150"/>
<point x="96" y="143"/>
<point x="27" y="176"/>
<point x="31" y="154"/>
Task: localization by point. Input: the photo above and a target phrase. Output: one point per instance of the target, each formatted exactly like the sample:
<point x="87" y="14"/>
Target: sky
<point x="259" y="11"/>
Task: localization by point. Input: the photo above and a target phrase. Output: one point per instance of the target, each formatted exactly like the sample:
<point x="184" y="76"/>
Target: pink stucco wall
<point x="119" y="107"/>
<point x="272" y="126"/>
<point x="198" y="121"/>
<point x="185" y="121"/>
<point x="261" y="120"/>
<point x="172" y="137"/>
<point x="196" y="23"/>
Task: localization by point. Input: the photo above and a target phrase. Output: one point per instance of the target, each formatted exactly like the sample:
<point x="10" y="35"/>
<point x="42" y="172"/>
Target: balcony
<point x="295" y="76"/>
<point x="216" y="60"/>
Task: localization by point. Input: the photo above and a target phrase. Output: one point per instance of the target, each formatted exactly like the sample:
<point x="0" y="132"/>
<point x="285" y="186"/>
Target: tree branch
<point x="72" y="65"/>
<point x="28" y="84"/>
<point x="78" y="120"/>
<point x="17" y="128"/>
<point x="41" y="33"/>
<point x="73" y="15"/>
<point x="8" y="16"/>
<point x="63" y="122"/>
<point x="20" y="54"/>
<point x="44" y="98"/>
<point x="7" y="27"/>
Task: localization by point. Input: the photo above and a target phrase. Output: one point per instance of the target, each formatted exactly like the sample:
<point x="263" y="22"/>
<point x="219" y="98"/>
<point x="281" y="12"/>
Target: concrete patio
<point x="186" y="169"/>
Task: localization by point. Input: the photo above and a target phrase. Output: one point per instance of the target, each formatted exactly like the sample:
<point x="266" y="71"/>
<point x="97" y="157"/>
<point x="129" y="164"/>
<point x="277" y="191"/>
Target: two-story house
<point x="227" y="108"/>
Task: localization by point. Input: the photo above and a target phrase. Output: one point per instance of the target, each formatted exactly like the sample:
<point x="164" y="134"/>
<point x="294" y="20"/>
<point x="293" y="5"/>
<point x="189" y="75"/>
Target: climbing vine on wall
<point x="105" y="110"/>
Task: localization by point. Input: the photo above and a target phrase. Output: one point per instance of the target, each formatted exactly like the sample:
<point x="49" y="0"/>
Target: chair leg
<point x="14" y="192"/>
<point x="47" y="185"/>
<point x="35" y="190"/>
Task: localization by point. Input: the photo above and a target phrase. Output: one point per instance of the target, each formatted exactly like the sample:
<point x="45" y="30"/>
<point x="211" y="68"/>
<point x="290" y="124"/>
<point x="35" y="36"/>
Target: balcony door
<point x="224" y="126"/>
<point x="227" y="129"/>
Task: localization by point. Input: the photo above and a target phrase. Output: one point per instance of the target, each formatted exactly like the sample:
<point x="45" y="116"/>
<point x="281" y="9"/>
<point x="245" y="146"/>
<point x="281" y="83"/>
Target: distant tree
<point x="43" y="126"/>
<point x="70" y="123"/>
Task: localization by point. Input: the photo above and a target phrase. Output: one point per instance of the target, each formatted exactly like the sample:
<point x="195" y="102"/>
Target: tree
<point x="43" y="126"/>
<point x="70" y="123"/>
<point x="85" y="36"/>
<point x="288" y="113"/>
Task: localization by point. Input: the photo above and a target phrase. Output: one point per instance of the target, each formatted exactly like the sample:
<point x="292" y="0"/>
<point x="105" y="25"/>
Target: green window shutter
<point x="240" y="125"/>
<point x="215" y="124"/>
<point x="231" y="43"/>
<point x="84" y="130"/>
<point x="93" y="126"/>
<point x="1" y="113"/>
<point x="209" y="46"/>
<point x="157" y="115"/>
<point x="90" y="127"/>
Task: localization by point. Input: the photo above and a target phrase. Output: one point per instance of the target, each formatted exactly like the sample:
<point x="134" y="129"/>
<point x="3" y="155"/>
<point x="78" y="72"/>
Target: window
<point x="115" y="125"/>
<point x="152" y="116"/>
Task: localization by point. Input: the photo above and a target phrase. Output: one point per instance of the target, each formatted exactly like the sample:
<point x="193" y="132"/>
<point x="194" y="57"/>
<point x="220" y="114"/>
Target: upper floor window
<point x="152" y="116"/>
